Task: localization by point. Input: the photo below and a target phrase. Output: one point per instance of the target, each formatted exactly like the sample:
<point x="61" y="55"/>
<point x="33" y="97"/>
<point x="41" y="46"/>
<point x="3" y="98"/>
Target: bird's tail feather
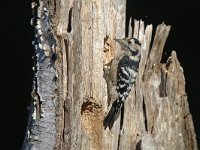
<point x="112" y="115"/>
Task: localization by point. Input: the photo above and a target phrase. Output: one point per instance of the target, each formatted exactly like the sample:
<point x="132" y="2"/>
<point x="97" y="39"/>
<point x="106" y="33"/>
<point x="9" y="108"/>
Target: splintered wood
<point x="157" y="114"/>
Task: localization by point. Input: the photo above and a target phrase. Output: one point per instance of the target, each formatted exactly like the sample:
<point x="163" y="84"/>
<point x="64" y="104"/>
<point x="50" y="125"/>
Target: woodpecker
<point x="126" y="74"/>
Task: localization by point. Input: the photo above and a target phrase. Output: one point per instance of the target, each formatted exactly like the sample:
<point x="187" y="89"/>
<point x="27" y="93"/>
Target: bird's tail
<point x="112" y="115"/>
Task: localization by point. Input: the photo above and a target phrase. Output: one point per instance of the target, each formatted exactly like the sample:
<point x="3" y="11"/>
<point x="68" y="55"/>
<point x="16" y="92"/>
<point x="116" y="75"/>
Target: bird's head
<point x="130" y="45"/>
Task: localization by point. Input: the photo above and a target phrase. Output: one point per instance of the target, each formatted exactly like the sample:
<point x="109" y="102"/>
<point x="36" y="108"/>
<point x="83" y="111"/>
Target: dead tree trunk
<point x="160" y="117"/>
<point x="74" y="40"/>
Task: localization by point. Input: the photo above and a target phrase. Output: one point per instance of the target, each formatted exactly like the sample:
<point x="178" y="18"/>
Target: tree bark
<point x="73" y="44"/>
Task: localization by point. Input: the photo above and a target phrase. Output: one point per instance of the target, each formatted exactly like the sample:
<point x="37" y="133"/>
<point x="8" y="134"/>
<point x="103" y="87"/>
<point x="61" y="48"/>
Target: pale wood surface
<point x="73" y="107"/>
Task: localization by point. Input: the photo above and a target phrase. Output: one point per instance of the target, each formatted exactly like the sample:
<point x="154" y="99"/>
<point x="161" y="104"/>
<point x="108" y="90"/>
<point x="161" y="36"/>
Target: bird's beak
<point x="120" y="41"/>
<point x="116" y="39"/>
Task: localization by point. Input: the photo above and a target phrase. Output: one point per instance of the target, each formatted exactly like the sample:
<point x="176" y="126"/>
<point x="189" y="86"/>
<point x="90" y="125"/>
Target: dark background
<point x="16" y="35"/>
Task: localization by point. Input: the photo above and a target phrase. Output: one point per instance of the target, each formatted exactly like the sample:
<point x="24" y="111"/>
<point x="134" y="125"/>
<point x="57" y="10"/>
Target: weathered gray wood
<point x="166" y="122"/>
<point x="72" y="99"/>
<point x="91" y="23"/>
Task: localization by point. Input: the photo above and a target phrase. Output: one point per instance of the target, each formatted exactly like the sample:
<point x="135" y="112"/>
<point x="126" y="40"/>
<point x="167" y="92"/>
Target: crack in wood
<point x="162" y="86"/>
<point x="118" y="142"/>
<point x="138" y="145"/>
<point x="69" y="27"/>
<point x="145" y="115"/>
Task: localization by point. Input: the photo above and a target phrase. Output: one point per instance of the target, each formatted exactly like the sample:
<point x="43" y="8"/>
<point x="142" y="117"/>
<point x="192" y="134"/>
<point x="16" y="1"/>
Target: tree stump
<point x="73" y="43"/>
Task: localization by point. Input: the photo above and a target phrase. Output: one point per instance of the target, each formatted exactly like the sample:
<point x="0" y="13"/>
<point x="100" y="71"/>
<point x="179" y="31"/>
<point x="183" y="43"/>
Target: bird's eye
<point x="129" y="42"/>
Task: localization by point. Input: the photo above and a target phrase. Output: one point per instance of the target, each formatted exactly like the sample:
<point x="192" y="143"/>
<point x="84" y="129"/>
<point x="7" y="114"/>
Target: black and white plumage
<point x="126" y="75"/>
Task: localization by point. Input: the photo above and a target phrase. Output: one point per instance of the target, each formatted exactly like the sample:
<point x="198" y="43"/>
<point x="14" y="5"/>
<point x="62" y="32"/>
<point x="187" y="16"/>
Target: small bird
<point x="127" y="69"/>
